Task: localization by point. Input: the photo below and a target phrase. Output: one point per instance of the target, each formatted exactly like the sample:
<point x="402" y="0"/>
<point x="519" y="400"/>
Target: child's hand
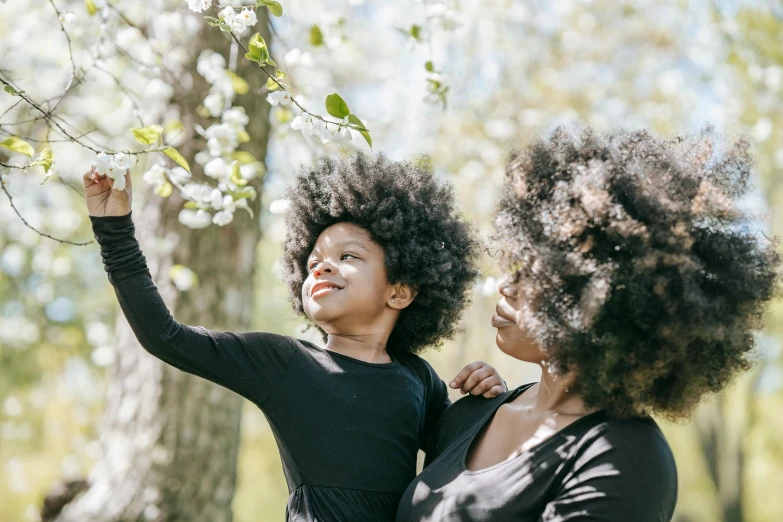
<point x="103" y="199"/>
<point x="479" y="378"/>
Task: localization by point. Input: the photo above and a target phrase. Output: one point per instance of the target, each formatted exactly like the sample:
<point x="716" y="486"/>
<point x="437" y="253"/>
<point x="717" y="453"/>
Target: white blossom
<point x="155" y="176"/>
<point x="238" y="25"/>
<point x="197" y="192"/>
<point x="101" y="163"/>
<point x="118" y="178"/>
<point x="280" y="96"/>
<point x="179" y="174"/>
<point x="199" y="5"/>
<point x="216" y="199"/>
<point x="304" y="123"/>
<point x="236" y="116"/>
<point x="195" y="218"/>
<point x="221" y="139"/>
<point x="122" y="161"/>
<point x="223" y="218"/>
<point x="217" y="169"/>
<point x="227" y="13"/>
<point x="249" y="171"/>
<point x="214" y="104"/>
<point x="248" y="17"/>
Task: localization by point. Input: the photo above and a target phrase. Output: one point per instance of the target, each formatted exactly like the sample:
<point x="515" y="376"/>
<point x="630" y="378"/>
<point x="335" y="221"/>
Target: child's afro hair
<point x="411" y="215"/>
<point x="638" y="269"/>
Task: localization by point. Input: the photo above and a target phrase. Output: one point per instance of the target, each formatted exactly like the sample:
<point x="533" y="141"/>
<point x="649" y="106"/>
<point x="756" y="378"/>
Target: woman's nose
<point x="504" y="287"/>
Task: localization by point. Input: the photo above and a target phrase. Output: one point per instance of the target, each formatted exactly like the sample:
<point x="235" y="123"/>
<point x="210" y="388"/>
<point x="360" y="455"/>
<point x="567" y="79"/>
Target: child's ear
<point x="401" y="297"/>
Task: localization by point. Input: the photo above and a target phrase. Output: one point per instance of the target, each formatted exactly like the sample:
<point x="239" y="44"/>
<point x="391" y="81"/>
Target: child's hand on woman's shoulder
<point x="479" y="378"/>
<point x="102" y="199"/>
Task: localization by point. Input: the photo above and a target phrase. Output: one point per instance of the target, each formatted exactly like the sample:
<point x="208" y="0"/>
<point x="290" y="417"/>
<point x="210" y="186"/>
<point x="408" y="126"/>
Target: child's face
<point x="346" y="290"/>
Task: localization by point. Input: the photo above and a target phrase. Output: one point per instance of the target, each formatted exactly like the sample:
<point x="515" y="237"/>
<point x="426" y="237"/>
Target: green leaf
<point x="336" y="106"/>
<point x="10" y="90"/>
<point x="192" y="205"/>
<point x="415" y="32"/>
<point x="238" y="83"/>
<point x="280" y="75"/>
<point x="245" y="193"/>
<point x="224" y="27"/>
<point x="271" y="84"/>
<point x="45" y="160"/>
<point x="212" y="19"/>
<point x="148" y="135"/>
<point x="164" y="190"/>
<point x="243" y="137"/>
<point x="18" y="145"/>
<point x="429" y="67"/>
<point x="316" y="36"/>
<point x="243" y="157"/>
<point x="91" y="7"/>
<point x="236" y="177"/>
<point x="174" y="154"/>
<point x="173" y="127"/>
<point x="274" y="7"/>
<point x="352" y="118"/>
<point x="258" y="51"/>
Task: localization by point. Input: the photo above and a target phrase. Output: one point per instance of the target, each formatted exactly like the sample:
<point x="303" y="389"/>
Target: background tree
<point x="513" y="69"/>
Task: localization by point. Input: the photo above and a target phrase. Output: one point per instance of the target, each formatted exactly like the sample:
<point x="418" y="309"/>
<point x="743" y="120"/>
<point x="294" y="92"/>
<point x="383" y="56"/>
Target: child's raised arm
<point x="251" y="364"/>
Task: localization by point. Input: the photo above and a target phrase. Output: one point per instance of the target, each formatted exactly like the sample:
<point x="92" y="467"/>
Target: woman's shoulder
<point x="469" y="413"/>
<point x="631" y="446"/>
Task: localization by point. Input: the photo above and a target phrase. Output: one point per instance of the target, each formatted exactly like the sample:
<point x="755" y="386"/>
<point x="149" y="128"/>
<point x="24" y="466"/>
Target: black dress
<point x="595" y="469"/>
<point x="348" y="431"/>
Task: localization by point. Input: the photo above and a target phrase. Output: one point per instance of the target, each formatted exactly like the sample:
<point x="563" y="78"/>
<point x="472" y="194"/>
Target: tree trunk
<point x="170" y="440"/>
<point x="720" y="437"/>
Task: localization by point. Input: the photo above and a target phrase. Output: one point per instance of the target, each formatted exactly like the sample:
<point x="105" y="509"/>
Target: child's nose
<point x="322" y="268"/>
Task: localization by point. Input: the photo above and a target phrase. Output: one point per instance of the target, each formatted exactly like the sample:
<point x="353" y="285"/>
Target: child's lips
<point x="322" y="288"/>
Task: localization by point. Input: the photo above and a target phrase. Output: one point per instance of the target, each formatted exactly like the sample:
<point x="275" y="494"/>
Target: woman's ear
<point x="401" y="297"/>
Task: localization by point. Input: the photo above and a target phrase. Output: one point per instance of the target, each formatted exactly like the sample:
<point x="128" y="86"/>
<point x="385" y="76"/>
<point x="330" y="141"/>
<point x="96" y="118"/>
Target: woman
<point x="635" y="283"/>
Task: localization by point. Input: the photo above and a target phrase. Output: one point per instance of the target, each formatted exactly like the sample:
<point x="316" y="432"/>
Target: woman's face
<point x="512" y="337"/>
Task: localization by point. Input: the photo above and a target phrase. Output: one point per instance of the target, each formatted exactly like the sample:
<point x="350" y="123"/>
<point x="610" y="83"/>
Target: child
<point x="378" y="260"/>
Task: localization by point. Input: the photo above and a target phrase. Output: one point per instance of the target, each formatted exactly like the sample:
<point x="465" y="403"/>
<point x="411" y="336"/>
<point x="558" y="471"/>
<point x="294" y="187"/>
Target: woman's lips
<point x="498" y="321"/>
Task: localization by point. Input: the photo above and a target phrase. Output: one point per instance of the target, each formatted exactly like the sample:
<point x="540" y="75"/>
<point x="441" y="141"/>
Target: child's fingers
<point x="475" y="378"/>
<point x="465" y="373"/>
<point x="496" y="390"/>
<point x="89" y="178"/>
<point x="487" y="384"/>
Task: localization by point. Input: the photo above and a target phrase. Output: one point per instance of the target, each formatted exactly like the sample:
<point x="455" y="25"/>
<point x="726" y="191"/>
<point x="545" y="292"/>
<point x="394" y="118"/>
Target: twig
<point x="70" y="54"/>
<point x="28" y="225"/>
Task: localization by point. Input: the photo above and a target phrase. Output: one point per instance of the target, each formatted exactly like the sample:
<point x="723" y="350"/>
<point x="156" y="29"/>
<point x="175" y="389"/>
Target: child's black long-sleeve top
<point x="348" y="431"/>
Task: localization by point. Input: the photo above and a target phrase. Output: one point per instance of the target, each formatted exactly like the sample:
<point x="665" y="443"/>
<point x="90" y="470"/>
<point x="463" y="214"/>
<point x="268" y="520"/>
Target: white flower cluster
<point x="199" y="5"/>
<point x="239" y="22"/>
<point x="447" y="17"/>
<point x="317" y="128"/>
<point x="223" y="138"/>
<point x="212" y="66"/>
<point x="113" y="166"/>
<point x="310" y="126"/>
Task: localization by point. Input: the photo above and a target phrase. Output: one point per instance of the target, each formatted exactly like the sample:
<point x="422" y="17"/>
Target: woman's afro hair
<point x="411" y="215"/>
<point x="637" y="268"/>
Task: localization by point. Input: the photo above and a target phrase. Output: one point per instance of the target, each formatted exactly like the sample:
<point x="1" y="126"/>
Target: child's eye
<point x="347" y="256"/>
<point x="311" y="265"/>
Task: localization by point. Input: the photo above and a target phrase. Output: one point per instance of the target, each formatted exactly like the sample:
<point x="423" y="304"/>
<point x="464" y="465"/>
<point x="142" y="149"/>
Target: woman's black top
<point x="348" y="431"/>
<point x="595" y="469"/>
